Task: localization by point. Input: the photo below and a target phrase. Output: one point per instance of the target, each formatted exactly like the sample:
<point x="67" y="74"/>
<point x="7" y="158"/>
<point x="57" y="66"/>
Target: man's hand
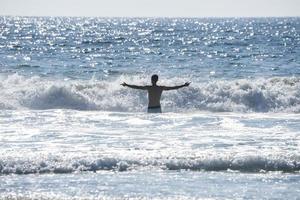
<point x="187" y="84"/>
<point x="124" y="84"/>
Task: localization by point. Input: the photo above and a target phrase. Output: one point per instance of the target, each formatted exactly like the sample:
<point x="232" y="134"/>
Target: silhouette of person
<point x="154" y="93"/>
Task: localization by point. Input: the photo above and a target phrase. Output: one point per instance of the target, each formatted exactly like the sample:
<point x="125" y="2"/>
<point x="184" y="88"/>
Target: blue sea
<point x="69" y="130"/>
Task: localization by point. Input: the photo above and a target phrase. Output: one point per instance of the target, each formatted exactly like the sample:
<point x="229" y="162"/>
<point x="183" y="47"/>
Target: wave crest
<point x="246" y="163"/>
<point x="243" y="95"/>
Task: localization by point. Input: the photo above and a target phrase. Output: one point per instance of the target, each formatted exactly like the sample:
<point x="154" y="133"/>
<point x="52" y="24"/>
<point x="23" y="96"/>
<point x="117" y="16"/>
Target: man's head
<point x="154" y="79"/>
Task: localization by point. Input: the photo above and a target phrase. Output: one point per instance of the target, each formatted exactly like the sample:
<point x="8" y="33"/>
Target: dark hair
<point x="154" y="78"/>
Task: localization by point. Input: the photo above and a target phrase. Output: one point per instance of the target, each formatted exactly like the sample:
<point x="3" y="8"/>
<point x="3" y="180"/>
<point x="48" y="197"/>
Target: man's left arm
<point x="134" y="86"/>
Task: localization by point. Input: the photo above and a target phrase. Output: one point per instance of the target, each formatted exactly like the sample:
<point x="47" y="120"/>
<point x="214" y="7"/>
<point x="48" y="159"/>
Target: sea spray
<point x="278" y="94"/>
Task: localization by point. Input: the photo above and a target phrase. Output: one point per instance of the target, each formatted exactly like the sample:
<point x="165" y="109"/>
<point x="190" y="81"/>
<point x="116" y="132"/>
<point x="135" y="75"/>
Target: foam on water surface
<point x="281" y="94"/>
<point x="44" y="141"/>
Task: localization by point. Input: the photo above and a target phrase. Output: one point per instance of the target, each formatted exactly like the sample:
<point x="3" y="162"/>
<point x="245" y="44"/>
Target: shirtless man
<point x="154" y="93"/>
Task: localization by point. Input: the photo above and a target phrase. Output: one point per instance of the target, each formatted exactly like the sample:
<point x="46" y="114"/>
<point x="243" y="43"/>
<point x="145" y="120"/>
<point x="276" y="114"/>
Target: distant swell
<point x="279" y="94"/>
<point x="249" y="163"/>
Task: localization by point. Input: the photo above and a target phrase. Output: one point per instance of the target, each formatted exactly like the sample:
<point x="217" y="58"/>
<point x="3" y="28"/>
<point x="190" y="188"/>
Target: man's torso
<point x="154" y="94"/>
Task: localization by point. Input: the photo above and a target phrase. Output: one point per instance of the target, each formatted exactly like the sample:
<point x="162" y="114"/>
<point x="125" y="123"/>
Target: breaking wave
<point x="245" y="163"/>
<point x="279" y="94"/>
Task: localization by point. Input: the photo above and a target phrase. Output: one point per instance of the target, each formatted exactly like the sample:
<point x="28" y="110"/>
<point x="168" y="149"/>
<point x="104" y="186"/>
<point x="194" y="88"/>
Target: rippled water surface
<point x="80" y="47"/>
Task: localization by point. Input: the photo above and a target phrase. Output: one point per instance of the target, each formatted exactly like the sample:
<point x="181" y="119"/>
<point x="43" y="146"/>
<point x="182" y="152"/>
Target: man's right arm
<point x="175" y="87"/>
<point x="134" y="86"/>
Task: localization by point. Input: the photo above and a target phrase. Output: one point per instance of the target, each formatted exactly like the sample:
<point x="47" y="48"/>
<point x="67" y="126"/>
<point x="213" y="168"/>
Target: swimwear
<point x="154" y="109"/>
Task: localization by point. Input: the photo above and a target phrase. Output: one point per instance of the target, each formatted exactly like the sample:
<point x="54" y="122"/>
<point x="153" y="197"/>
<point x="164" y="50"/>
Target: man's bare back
<point x="154" y="92"/>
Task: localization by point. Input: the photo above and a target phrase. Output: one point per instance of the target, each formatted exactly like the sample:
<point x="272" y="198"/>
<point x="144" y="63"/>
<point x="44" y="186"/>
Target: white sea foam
<point x="213" y="162"/>
<point x="281" y="94"/>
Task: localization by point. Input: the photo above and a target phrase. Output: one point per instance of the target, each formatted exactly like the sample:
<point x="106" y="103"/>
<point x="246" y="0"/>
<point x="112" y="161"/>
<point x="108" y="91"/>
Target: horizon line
<point x="183" y="17"/>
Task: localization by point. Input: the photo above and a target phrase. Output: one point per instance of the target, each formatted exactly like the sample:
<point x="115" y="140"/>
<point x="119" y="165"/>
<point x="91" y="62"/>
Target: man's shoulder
<point x="154" y="87"/>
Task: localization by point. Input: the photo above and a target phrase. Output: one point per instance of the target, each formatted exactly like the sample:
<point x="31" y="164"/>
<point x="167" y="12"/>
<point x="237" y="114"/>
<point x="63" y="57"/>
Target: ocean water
<point x="69" y="130"/>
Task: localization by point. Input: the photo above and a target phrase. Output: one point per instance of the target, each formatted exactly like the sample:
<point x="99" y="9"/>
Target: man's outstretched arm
<point x="176" y="87"/>
<point x="135" y="86"/>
